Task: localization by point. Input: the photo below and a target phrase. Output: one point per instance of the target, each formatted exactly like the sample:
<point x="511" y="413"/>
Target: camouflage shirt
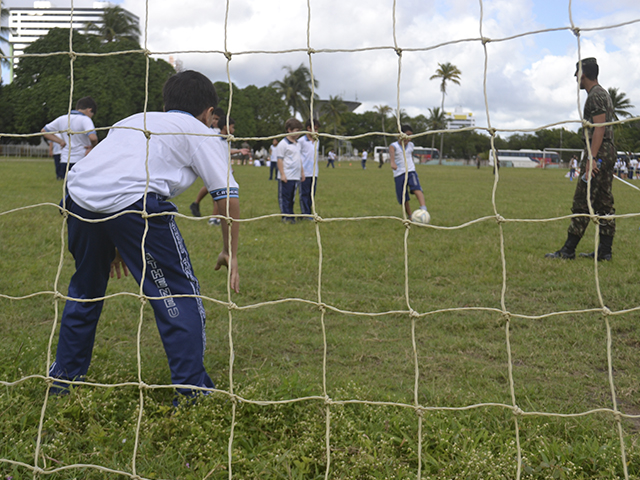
<point x="599" y="102"/>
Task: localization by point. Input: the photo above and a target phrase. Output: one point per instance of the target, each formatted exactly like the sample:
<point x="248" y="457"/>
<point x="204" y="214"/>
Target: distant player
<point x="113" y="179"/>
<point x="397" y="161"/>
<point x="598" y="108"/>
<point x="573" y="165"/>
<point x="331" y="158"/>
<point x="364" y="159"/>
<point x="273" y="158"/>
<point x="309" y="151"/>
<point x="290" y="171"/>
<point x="74" y="146"/>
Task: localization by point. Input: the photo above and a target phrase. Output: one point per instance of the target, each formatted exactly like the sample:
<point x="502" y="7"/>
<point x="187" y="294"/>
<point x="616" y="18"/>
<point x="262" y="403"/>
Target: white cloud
<point x="529" y="79"/>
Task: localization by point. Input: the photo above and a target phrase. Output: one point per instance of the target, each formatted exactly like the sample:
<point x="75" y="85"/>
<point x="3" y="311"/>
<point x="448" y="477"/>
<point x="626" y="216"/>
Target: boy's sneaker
<point x="562" y="253"/>
<point x="195" y="209"/>
<point x="601" y="256"/>
<point x="214" y="221"/>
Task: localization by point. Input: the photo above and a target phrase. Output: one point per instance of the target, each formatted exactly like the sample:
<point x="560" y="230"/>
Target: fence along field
<point x="446" y="351"/>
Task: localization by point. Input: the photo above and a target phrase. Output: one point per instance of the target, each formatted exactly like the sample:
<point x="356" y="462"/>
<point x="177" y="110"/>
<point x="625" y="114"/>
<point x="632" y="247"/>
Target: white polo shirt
<point x="308" y="150"/>
<point x="289" y="152"/>
<point x="113" y="175"/>
<point x="76" y="142"/>
<point x="399" y="155"/>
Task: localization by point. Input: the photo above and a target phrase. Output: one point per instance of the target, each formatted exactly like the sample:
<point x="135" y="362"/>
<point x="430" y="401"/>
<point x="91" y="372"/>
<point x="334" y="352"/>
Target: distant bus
<point x="524" y="158"/>
<point x="420" y="154"/>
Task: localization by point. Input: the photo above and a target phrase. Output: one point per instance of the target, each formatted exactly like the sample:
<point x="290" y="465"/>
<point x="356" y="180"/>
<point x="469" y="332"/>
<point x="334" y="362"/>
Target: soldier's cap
<point x="585" y="62"/>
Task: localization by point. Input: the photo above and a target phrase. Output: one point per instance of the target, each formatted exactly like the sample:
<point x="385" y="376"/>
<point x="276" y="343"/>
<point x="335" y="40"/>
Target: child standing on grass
<point x="112" y="179"/>
<point x="397" y="161"/>
<point x="290" y="171"/>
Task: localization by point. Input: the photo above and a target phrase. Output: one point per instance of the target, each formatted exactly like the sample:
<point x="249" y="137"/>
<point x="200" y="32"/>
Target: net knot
<point x="232" y="306"/>
<point x="485" y="40"/>
<point x="73" y="56"/>
<point x="398" y="51"/>
<point x="606" y="311"/>
<point x="228" y="55"/>
<point x="327" y="400"/>
<point x="517" y="410"/>
<point x="310" y="51"/>
<point x="576" y="31"/>
<point x="413" y="313"/>
<point x="147" y="134"/>
<point x="142" y="386"/>
<point x="506" y="316"/>
<point x="500" y="218"/>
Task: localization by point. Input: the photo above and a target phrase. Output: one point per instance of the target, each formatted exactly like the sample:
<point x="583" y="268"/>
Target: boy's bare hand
<point x="115" y="267"/>
<point x="223" y="261"/>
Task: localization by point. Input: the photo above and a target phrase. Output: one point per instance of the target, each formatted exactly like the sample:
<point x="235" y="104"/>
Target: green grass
<point x="559" y="362"/>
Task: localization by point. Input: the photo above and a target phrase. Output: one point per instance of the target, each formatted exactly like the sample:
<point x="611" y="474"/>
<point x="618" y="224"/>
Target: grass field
<point x="559" y="363"/>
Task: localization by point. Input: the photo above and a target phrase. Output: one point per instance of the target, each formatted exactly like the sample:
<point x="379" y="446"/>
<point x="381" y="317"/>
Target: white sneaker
<point x="214" y="221"/>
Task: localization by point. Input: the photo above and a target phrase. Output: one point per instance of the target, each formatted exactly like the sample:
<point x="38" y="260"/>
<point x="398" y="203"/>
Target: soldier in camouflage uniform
<point x="597" y="109"/>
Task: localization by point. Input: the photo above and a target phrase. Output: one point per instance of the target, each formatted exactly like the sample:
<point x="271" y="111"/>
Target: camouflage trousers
<point x="601" y="194"/>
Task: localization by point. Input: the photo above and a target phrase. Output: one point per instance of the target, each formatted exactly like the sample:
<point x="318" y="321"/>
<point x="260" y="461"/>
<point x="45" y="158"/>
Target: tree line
<point x="40" y="92"/>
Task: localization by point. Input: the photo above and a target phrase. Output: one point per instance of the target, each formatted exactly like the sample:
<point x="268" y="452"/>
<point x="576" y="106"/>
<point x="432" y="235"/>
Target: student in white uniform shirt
<point x="309" y="151"/>
<point x="113" y="179"/>
<point x="83" y="137"/>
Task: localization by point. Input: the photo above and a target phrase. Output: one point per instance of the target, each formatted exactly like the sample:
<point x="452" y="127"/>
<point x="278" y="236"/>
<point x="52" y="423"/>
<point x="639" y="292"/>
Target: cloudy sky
<point x="529" y="78"/>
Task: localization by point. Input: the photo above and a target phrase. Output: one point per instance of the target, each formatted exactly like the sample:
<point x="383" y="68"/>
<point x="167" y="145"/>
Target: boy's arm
<point x="229" y="258"/>
<point x="53" y="138"/>
<point x="283" y="177"/>
<point x="392" y="157"/>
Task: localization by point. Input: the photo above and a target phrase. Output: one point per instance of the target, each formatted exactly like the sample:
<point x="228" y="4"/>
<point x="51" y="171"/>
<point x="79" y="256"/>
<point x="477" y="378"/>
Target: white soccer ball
<point x="420" y="216"/>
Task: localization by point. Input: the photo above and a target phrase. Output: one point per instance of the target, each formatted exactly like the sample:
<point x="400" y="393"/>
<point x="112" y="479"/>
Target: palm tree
<point x="436" y="122"/>
<point x="446" y="72"/>
<point x="383" y="110"/>
<point x="117" y="23"/>
<point x="295" y="89"/>
<point x="332" y="115"/>
<point x="620" y="103"/>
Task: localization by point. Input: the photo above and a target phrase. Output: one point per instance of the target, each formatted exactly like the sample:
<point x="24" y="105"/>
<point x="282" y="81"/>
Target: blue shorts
<point x="413" y="184"/>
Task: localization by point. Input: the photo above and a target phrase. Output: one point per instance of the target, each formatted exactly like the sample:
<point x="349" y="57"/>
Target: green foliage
<point x="40" y="91"/>
<point x="257" y="111"/>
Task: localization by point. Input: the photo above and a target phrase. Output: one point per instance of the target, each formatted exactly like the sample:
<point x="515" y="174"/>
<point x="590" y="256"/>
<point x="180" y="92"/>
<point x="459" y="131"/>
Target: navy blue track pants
<point x="180" y="321"/>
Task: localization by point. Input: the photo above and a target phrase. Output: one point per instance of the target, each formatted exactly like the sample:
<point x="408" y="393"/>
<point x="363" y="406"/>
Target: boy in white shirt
<point x="290" y="171"/>
<point x="309" y="151"/>
<point x="83" y="137"/>
<point x="112" y="179"/>
<point x="397" y="162"/>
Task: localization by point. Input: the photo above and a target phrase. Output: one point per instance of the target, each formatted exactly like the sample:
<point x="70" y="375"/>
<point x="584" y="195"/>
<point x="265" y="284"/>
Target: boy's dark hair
<point x="316" y="123"/>
<point x="219" y="112"/>
<point x="293" y="124"/>
<point x="189" y="91"/>
<point x="87" y="102"/>
<point x="406" y="128"/>
<point x="222" y="122"/>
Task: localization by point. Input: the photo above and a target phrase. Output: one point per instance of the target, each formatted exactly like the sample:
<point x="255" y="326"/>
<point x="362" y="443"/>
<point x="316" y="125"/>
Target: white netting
<point x="503" y="312"/>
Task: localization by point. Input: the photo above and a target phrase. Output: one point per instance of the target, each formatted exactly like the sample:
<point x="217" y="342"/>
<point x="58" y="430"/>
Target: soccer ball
<point x="420" y="216"/>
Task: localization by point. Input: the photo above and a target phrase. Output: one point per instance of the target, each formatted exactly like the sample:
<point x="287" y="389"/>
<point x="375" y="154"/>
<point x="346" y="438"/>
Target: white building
<point x="459" y="119"/>
<point x="28" y="24"/>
